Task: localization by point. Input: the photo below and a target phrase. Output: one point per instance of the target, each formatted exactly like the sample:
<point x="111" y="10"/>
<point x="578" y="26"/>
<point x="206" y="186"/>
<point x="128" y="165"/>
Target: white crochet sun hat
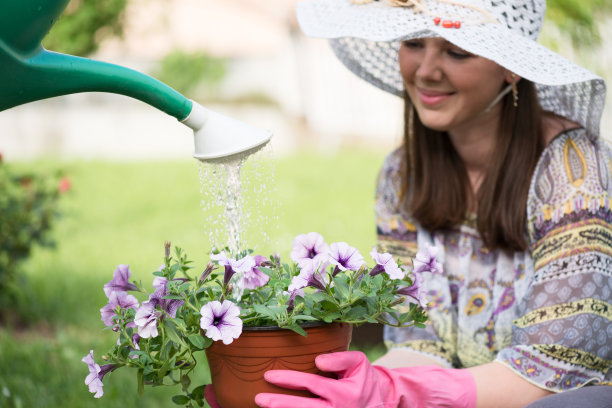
<point x="366" y="36"/>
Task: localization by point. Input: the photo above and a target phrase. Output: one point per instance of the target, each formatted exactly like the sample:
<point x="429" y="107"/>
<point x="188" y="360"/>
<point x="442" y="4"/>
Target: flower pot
<point x="237" y="369"/>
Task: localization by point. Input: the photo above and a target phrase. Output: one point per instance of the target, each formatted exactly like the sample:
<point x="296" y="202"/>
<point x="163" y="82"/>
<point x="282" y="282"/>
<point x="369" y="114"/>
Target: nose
<point x="429" y="66"/>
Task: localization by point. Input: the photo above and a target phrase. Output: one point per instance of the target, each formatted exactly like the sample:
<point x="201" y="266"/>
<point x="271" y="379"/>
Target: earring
<point x="514" y="91"/>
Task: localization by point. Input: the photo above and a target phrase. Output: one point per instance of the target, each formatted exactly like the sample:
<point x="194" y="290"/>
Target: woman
<point x="503" y="172"/>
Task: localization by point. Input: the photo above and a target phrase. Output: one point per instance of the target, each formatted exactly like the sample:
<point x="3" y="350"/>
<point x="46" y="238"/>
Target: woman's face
<point x="449" y="87"/>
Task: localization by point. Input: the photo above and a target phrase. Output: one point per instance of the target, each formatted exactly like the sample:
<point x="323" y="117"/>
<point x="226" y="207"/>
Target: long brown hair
<point x="439" y="186"/>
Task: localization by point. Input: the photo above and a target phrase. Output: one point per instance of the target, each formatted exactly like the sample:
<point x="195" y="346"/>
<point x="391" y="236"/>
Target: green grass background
<point x="122" y="213"/>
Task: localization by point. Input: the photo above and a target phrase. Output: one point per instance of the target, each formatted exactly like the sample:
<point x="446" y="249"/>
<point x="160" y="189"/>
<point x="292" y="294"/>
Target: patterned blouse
<point x="545" y="313"/>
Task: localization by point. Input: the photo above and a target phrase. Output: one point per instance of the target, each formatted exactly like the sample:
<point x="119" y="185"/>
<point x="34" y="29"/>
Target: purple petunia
<point x="386" y="263"/>
<point x="310" y="275"/>
<point x="425" y="261"/>
<point x="121" y="299"/>
<point x="146" y="320"/>
<point x="233" y="266"/>
<point x="120" y="282"/>
<point x="96" y="374"/>
<point x="152" y="310"/>
<point x="254" y="278"/>
<point x="345" y="257"/>
<point x="221" y="321"/>
<point x="416" y="291"/>
<point x="170" y="306"/>
<point x="291" y="300"/>
<point x="92" y="380"/>
<point x="309" y="246"/>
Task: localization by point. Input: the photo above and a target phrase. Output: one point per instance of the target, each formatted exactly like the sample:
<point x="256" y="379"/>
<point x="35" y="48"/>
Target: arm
<point x="498" y="387"/>
<point x="360" y="384"/>
<point x="397" y="357"/>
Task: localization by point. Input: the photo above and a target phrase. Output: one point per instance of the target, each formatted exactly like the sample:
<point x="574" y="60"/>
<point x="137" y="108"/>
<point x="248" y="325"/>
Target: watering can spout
<point x="29" y="73"/>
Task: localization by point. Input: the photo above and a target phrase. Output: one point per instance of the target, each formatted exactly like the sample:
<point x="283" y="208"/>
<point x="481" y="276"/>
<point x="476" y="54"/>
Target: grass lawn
<point x="122" y="213"/>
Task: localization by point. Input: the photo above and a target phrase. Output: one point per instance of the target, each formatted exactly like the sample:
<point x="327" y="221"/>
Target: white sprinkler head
<point x="218" y="137"/>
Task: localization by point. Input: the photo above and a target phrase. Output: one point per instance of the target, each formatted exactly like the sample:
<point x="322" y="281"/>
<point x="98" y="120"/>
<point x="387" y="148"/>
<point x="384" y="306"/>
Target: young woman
<point x="502" y="171"/>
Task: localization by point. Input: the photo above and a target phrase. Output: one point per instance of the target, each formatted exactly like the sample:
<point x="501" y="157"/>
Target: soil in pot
<point x="237" y="369"/>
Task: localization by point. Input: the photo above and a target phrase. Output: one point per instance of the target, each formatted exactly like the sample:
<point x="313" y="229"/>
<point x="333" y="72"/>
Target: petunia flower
<point x="425" y="261"/>
<point x="345" y="257"/>
<point x="254" y="278"/>
<point x="121" y="299"/>
<point x="146" y="320"/>
<point x="416" y="291"/>
<point x="207" y="271"/>
<point x="309" y="246"/>
<point x="120" y="282"/>
<point x="291" y="300"/>
<point x="93" y="381"/>
<point x="170" y="306"/>
<point x="310" y="275"/>
<point x="233" y="266"/>
<point x="385" y="263"/>
<point x="221" y="321"/>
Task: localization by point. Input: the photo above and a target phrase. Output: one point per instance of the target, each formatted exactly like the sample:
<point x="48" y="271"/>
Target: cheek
<point x="483" y="85"/>
<point x="407" y="65"/>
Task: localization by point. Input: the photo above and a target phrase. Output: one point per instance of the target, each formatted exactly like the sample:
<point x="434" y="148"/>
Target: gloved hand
<point x="209" y="396"/>
<point x="363" y="385"/>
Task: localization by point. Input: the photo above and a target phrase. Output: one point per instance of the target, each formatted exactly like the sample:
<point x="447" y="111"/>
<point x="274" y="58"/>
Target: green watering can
<point x="28" y="72"/>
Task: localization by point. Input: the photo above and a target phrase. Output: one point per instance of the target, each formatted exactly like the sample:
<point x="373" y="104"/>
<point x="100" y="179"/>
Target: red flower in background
<point x="64" y="184"/>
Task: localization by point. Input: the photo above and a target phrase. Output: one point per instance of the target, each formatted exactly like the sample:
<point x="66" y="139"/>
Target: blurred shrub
<point x="578" y="18"/>
<point x="84" y="25"/>
<point x="192" y="73"/>
<point x="28" y="205"/>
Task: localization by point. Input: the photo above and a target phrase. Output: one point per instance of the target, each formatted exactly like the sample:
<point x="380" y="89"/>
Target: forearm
<point x="396" y="358"/>
<point x="498" y="386"/>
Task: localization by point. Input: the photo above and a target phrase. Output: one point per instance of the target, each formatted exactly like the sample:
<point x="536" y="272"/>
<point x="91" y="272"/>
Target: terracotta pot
<point x="237" y="369"/>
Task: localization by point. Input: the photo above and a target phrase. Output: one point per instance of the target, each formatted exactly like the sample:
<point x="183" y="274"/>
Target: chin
<point x="437" y="125"/>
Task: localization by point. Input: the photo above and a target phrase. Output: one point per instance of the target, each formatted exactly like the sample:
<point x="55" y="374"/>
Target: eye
<point x="412" y="44"/>
<point x="458" y="53"/>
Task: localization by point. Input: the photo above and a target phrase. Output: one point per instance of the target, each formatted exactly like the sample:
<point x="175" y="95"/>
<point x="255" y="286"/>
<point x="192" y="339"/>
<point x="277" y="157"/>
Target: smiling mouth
<point x="431" y="98"/>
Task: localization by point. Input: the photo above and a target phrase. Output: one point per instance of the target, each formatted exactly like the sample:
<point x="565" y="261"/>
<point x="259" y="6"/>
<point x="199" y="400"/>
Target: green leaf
<point x="341" y="286"/>
<point x="180" y="399"/>
<point x="140" y="381"/>
<point x="299" y="330"/>
<point x="185" y="382"/>
<point x="265" y="311"/>
<point x="163" y="370"/>
<point x="304" y="317"/>
<point x="172" y="334"/>
<point x="197" y="340"/>
<point x="198" y="392"/>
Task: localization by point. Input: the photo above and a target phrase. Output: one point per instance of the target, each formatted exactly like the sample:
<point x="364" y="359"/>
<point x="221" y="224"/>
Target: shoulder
<point x="572" y="179"/>
<point x="394" y="162"/>
<point x="572" y="161"/>
<point x="390" y="182"/>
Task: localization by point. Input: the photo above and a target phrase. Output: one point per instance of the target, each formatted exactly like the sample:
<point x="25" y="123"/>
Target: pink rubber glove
<point x="209" y="396"/>
<point x="363" y="385"/>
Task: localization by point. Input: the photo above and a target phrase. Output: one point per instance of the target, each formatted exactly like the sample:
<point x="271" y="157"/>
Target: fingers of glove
<point x="267" y="400"/>
<point x="209" y="395"/>
<point x="345" y="363"/>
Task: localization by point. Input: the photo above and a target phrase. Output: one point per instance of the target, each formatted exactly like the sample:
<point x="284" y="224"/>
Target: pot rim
<point x="270" y="328"/>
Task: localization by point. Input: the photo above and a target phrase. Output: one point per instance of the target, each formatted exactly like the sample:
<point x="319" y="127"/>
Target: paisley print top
<point x="545" y="313"/>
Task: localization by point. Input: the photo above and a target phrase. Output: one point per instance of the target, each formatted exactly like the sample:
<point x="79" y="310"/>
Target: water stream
<point x="238" y="201"/>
